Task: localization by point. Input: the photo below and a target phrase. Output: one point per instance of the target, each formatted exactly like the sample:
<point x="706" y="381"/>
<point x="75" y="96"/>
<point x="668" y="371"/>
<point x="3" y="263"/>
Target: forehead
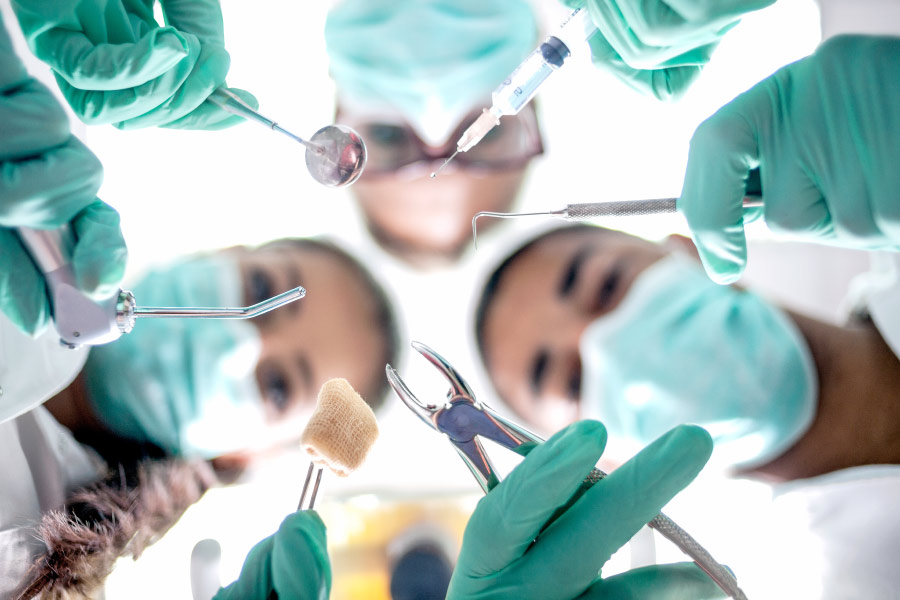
<point x="530" y="279"/>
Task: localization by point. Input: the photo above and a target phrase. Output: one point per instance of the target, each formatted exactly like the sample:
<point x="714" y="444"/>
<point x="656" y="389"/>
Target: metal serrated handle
<point x="633" y="208"/>
<point x="627" y="208"/>
<point x="670" y="530"/>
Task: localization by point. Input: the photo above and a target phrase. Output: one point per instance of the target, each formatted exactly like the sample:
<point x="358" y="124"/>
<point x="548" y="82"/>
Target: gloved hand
<point x="115" y="64"/>
<point x="660" y="46"/>
<point x="292" y="563"/>
<point x="541" y="533"/>
<point x="823" y="132"/>
<point x="48" y="178"/>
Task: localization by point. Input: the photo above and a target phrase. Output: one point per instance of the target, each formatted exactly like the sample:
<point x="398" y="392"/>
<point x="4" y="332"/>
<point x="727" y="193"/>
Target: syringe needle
<point x="440" y="168"/>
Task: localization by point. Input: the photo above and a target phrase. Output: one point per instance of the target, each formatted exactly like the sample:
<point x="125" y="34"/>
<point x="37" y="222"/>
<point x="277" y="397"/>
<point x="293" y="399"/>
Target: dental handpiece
<point x="81" y="320"/>
<point x="523" y="83"/>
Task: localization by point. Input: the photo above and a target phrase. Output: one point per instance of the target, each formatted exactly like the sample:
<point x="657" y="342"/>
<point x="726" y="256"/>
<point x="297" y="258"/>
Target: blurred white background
<point x="179" y="192"/>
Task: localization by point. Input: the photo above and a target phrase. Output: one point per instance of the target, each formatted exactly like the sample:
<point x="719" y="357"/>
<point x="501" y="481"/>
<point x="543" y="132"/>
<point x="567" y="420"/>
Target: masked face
<point x="545" y="300"/>
<point x="682" y="349"/>
<point x="593" y="323"/>
<point x="210" y="387"/>
<point x="187" y="385"/>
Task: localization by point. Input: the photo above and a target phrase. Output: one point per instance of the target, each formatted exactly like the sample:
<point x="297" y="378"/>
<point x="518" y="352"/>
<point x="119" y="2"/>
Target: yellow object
<point x="368" y="533"/>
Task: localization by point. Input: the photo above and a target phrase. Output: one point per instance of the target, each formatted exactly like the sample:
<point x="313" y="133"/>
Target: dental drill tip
<point x="441" y="168"/>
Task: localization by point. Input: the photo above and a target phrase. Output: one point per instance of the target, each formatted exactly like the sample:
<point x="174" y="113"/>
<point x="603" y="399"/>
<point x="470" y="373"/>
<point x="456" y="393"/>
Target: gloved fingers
<point x="664" y="84"/>
<point x="210" y="117"/>
<point x="643" y="43"/>
<point x="100" y="254"/>
<point x="208" y="74"/>
<point x="255" y="580"/>
<point x="705" y="11"/>
<point x="101" y="107"/>
<point x="49" y="189"/>
<point x="12" y="71"/>
<point x="108" y="67"/>
<point x="33" y="120"/>
<point x="23" y="296"/>
<point x="723" y="150"/>
<point x="793" y="202"/>
<point x="680" y="581"/>
<point x="300" y="565"/>
<point x="202" y="18"/>
<point x="611" y="511"/>
<point x="655" y="23"/>
<point x="508" y="519"/>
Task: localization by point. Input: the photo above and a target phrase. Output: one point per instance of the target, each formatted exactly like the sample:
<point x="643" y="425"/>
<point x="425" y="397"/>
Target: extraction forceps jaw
<point x="424" y="411"/>
<point x="458" y="385"/>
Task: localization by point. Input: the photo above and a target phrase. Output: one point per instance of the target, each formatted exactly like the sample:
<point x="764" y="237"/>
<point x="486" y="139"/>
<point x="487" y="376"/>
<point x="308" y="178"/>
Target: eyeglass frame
<point x="428" y="154"/>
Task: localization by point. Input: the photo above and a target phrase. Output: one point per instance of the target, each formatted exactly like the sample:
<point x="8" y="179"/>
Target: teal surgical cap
<point x="429" y="62"/>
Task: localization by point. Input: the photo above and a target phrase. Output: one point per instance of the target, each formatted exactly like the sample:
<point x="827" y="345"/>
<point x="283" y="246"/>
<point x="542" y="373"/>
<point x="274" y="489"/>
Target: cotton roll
<point x="341" y="430"/>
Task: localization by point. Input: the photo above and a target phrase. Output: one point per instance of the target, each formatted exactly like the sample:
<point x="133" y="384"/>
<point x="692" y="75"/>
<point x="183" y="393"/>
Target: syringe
<point x="523" y="83"/>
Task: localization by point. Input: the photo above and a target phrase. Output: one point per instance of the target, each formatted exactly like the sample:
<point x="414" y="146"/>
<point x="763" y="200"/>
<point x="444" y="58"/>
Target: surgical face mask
<point x="186" y="385"/>
<point x="432" y="62"/>
<point x="682" y="349"/>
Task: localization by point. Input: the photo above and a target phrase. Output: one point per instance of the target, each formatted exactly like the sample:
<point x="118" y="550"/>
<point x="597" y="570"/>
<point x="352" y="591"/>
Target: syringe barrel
<point x="522" y="84"/>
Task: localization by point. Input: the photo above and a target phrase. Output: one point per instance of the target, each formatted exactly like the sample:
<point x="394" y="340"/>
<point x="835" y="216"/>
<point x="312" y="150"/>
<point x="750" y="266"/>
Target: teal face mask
<point x="682" y="349"/>
<point x="187" y="385"/>
<point x="431" y="62"/>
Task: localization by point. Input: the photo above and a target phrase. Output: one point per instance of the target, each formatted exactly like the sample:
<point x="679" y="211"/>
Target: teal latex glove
<point x="660" y="46"/>
<point x="824" y="133"/>
<point x="542" y="534"/>
<point x="48" y="178"/>
<point x="292" y="563"/>
<point x="115" y="64"/>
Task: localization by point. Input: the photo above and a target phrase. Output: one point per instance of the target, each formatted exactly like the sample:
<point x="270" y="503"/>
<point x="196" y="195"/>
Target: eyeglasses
<point x="392" y="146"/>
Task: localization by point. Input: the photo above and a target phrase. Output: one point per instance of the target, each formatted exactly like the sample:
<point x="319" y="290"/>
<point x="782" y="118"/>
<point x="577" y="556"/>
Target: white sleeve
<point x="884" y="307"/>
<point x="876" y="294"/>
<point x="32" y="370"/>
<point x="40" y="464"/>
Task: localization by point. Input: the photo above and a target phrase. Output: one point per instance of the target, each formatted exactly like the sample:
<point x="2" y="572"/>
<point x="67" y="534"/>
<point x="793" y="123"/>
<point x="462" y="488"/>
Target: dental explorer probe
<point x="523" y="83"/>
<point x="81" y="320"/>
<point x="335" y="154"/>
<point x="590" y="210"/>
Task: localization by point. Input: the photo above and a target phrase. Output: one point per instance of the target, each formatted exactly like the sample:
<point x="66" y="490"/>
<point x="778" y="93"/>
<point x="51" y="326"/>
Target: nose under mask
<point x="682" y="349"/>
<point x="186" y="385"/>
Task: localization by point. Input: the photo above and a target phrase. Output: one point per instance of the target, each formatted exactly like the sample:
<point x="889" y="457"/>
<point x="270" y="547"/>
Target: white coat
<point x="40" y="461"/>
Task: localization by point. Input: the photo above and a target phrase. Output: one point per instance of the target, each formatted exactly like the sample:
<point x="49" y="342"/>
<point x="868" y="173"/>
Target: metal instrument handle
<point x="633" y="208"/>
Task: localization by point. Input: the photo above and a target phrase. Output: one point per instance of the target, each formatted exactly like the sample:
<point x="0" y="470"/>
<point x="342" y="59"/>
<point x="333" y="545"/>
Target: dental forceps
<point x="463" y="419"/>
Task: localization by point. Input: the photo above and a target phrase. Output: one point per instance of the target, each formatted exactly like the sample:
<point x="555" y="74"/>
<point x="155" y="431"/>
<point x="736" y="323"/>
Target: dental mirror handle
<point x="231" y="102"/>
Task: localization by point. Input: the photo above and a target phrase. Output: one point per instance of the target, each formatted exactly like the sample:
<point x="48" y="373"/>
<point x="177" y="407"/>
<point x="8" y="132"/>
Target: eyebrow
<point x="570" y="273"/>
<point x="538" y="370"/>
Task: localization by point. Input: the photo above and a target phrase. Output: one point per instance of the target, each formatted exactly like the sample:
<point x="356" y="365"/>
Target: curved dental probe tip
<point x="502" y="215"/>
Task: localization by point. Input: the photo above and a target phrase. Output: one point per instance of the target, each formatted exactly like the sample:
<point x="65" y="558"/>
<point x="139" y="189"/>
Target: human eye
<point x="275" y="387"/>
<point x="387" y="135"/>
<point x="259" y="285"/>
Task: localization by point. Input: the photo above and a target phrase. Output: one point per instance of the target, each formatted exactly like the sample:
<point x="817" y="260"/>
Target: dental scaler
<point x="523" y="83"/>
<point x="81" y="320"/>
